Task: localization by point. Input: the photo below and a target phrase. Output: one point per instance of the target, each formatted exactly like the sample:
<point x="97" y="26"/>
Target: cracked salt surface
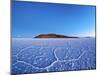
<point x="50" y="55"/>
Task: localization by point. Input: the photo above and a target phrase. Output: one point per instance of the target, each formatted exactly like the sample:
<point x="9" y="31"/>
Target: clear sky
<point x="32" y="18"/>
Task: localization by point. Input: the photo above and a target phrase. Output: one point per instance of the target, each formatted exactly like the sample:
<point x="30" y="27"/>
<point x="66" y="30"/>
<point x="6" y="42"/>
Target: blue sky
<point x="30" y="19"/>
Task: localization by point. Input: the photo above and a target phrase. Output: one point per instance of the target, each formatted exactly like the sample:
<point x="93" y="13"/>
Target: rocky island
<point x="54" y="36"/>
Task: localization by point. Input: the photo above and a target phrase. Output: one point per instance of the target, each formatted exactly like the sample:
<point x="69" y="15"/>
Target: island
<point x="54" y="36"/>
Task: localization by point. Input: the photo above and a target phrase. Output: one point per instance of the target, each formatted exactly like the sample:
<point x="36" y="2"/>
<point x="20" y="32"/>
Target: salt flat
<point x="31" y="55"/>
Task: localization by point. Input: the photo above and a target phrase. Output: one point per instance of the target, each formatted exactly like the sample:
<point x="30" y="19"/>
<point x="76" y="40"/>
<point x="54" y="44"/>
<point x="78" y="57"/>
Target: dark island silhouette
<point x="53" y="36"/>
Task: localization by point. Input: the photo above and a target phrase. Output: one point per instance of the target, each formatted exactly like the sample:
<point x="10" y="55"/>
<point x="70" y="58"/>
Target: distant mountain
<point x="53" y="36"/>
